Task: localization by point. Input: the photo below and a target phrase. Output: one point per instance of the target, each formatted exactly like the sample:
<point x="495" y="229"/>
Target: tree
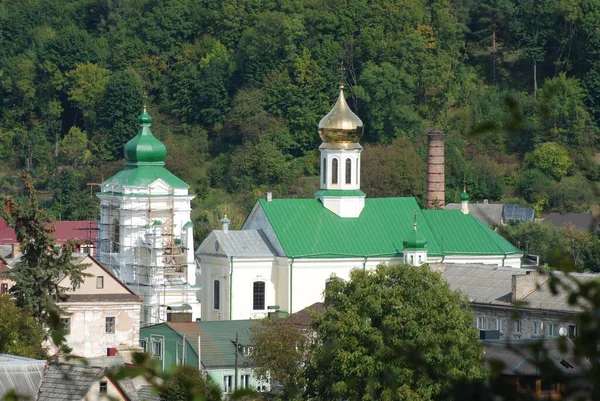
<point x="189" y="384"/>
<point x="551" y="158"/>
<point x="279" y="353"/>
<point x="20" y="334"/>
<point x="534" y="238"/>
<point x="87" y="83"/>
<point x="394" y="333"/>
<point x="37" y="273"/>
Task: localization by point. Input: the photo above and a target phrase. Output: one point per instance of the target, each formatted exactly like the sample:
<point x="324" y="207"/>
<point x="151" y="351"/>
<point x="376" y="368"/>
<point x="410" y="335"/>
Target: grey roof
<point x="148" y="393"/>
<point x="115" y="362"/>
<point x="489" y="214"/>
<point x="246" y="243"/>
<point x="20" y="374"/>
<point x="68" y="382"/>
<point x="492" y="285"/>
<point x="581" y="221"/>
<point x="518" y="357"/>
<point x="6" y="251"/>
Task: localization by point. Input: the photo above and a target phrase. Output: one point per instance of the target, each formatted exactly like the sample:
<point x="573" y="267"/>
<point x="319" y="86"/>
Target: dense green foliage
<point x="189" y="384"/>
<point x="20" y="334"/>
<point x="237" y="88"/>
<point x="394" y="333"/>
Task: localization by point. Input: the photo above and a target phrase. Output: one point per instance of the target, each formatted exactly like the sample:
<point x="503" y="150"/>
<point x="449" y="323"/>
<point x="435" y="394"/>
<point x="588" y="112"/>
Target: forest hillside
<point x="236" y="89"/>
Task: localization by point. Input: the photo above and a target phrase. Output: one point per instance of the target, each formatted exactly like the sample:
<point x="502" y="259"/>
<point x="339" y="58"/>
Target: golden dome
<point x="340" y="124"/>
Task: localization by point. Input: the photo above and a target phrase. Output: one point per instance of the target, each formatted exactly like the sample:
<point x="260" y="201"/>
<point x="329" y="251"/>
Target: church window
<point x="324" y="170"/>
<point x="258" y="295"/>
<point x="357" y="172"/>
<point x="348" y="171"/>
<point x="114" y="247"/>
<point x="412" y="260"/>
<point x="217" y="294"/>
<point x="419" y="259"/>
<point x="334" y="171"/>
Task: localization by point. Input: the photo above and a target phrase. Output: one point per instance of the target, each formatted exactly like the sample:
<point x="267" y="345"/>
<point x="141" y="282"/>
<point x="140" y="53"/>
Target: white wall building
<point x="288" y="249"/>
<point x="145" y="230"/>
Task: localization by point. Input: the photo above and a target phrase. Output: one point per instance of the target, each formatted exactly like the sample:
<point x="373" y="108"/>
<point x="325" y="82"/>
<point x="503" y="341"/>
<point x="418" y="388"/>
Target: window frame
<point x="335" y="170"/>
<point x="103" y="387"/>
<point x="245" y="381"/>
<point x="550" y="329"/>
<point x="500" y="325"/>
<point x="517" y="326"/>
<point x="255" y="293"/>
<point x="66" y="325"/>
<point x="348" y="179"/>
<point x="110" y="323"/>
<point x="536" y="328"/>
<point x="144" y="344"/>
<point x="481" y="322"/>
<point x="227" y="384"/>
<point x="3" y="288"/>
<point x="216" y="301"/>
<point x="324" y="180"/>
<point x="99" y="282"/>
<point x="159" y="342"/>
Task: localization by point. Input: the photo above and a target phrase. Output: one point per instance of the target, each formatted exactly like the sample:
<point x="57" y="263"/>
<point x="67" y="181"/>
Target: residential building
<point x="145" y="230"/>
<point x="288" y="249"/>
<point x="5" y="282"/>
<point x="580" y="221"/>
<point x="23" y="375"/>
<point x="209" y="346"/>
<point x="101" y="314"/>
<point x="80" y="382"/>
<point x="519" y="304"/>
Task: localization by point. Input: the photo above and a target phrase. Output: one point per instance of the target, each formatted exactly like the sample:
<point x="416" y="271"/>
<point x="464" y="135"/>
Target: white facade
<point x="146" y="239"/>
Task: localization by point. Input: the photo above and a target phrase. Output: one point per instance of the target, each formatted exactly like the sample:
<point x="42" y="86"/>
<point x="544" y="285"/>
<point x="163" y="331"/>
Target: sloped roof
<point x="83" y="230"/>
<point x="247" y="243"/>
<point x="303" y="318"/>
<point x="581" y="221"/>
<point x="65" y="382"/>
<point x="492" y="285"/>
<point x="115" y="362"/>
<point x="488" y="213"/>
<point x="148" y="393"/>
<point x="518" y="357"/>
<point x="307" y="229"/>
<point x="218" y="339"/>
<point x="143" y="176"/>
<point x="20" y="374"/>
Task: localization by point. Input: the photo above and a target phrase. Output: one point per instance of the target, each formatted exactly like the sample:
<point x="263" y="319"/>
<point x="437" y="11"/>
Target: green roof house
<point x="288" y="249"/>
<point x="209" y="346"/>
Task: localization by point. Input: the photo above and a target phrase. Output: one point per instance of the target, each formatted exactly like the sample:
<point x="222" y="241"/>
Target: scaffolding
<point x="152" y="259"/>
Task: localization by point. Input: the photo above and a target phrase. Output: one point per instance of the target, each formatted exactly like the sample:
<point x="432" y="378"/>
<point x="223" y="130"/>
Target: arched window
<point x="216" y="294"/>
<point x="324" y="170"/>
<point x="258" y="295"/>
<point x="116" y="234"/>
<point x="412" y="260"/>
<point x="348" y="171"/>
<point x="419" y="259"/>
<point x="334" y="171"/>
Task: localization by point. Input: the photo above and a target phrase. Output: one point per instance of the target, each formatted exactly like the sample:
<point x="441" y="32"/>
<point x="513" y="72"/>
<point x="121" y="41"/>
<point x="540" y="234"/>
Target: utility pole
<point x="237" y="351"/>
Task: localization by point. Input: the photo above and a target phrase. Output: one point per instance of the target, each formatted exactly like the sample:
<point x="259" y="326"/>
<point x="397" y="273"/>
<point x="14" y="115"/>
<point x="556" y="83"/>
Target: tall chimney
<point x="435" y="171"/>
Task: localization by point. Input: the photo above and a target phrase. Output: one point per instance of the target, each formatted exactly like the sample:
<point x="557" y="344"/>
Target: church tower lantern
<point x="340" y="131"/>
<point x="415" y="246"/>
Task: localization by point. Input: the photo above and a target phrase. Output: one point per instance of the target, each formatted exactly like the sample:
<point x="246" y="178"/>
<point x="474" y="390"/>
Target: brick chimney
<point x="436" y="198"/>
<point x="525" y="284"/>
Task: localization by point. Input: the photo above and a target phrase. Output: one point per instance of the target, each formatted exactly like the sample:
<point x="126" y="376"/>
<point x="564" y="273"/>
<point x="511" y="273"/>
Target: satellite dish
<point x="562" y="331"/>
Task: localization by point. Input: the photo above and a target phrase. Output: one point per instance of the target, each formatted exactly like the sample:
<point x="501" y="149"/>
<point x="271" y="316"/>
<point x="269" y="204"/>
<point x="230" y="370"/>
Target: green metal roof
<point x="144" y="175"/>
<point x="339" y="192"/>
<point x="306" y="229"/>
<point x="464" y="196"/>
<point x="144" y="148"/>
<point x="415" y="241"/>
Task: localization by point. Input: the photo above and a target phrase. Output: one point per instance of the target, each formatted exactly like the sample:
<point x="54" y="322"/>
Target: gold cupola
<point x="340" y="125"/>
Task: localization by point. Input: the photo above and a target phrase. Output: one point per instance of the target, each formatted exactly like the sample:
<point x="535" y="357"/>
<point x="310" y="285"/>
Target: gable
<point x="160" y="187"/>
<point x="306" y="229"/>
<point x="110" y="285"/>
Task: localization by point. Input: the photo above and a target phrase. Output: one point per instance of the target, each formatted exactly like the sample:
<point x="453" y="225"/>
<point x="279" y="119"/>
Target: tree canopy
<point x="393" y="333"/>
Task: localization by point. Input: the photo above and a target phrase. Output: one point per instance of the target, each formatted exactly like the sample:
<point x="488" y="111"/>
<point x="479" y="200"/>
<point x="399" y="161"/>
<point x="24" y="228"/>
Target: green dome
<point x="144" y="148"/>
<point x="464" y="197"/>
<point x="415" y="241"/>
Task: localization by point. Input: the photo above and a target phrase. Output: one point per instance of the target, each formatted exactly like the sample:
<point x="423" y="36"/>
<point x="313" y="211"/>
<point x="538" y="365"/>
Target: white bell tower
<point x="340" y="131"/>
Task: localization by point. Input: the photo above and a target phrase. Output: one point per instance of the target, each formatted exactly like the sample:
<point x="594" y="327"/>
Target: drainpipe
<point x="230" y="286"/>
<point x="365" y="262"/>
<point x="291" y="283"/>
<point x="503" y="259"/>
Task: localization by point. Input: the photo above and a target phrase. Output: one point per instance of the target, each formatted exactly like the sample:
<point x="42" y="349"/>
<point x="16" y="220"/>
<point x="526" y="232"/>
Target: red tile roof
<point x="84" y="230"/>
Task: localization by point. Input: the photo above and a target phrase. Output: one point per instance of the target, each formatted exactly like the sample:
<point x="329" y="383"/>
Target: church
<point x="145" y="232"/>
<point x="288" y="249"/>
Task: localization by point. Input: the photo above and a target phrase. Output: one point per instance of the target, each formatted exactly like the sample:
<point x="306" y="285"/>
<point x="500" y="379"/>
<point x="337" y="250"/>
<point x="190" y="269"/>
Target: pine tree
<point x="42" y="264"/>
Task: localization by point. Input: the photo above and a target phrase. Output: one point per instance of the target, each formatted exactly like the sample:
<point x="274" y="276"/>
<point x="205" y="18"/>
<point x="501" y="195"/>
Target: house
<point x="84" y="234"/>
<point x="145" y="229"/>
<point x="79" y="382"/>
<point x="581" y="221"/>
<point x="494" y="290"/>
<point x="5" y="282"/>
<point x="23" y="375"/>
<point x="209" y="346"/>
<point x="102" y="314"/>
<point x="495" y="215"/>
<point x="288" y="249"/>
<point x="527" y="372"/>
